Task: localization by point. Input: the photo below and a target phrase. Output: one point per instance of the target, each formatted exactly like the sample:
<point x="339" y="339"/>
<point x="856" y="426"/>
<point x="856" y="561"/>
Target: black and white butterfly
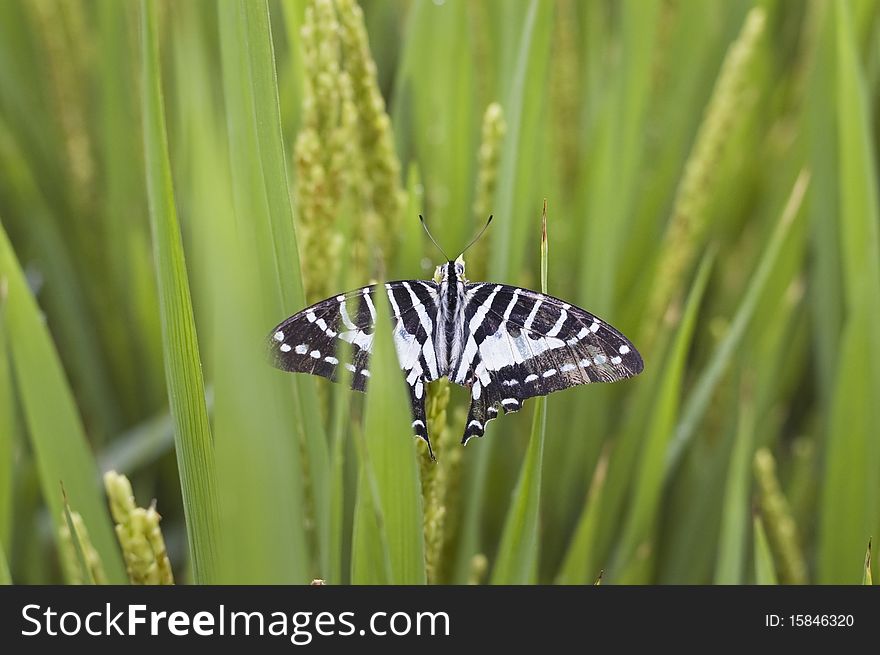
<point x="505" y="343"/>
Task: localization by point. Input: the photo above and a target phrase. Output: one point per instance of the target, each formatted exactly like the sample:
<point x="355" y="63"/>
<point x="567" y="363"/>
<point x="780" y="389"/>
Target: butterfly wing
<point x="334" y="338"/>
<point x="521" y="344"/>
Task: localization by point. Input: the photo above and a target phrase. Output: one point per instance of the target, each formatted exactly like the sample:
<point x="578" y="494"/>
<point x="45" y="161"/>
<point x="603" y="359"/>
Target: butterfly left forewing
<point x="334" y="338"/>
<point x="328" y="338"/>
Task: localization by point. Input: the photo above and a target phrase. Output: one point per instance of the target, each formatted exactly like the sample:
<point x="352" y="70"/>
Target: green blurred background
<point x="710" y="176"/>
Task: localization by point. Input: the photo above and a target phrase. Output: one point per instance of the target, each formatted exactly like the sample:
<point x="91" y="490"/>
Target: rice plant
<point x="179" y="177"/>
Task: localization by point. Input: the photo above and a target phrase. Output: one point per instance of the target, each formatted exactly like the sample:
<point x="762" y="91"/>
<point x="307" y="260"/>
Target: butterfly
<point x="504" y="343"/>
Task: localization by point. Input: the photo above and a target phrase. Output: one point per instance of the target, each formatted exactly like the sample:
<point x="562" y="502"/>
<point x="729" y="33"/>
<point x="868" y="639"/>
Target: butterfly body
<point x="504" y="343"/>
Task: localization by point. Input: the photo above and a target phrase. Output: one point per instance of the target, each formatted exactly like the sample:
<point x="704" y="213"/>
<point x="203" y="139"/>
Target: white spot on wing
<point x="331" y="360"/>
<point x="599" y="359"/>
<point x="623" y="349"/>
<point x="278" y="336"/>
<point x="594" y="327"/>
<point x="311" y="316"/>
<point x="616" y="360"/>
<point x="302" y="349"/>
<point x="476" y="390"/>
<point x="531" y="377"/>
<point x="510" y="401"/>
<point x="549" y="373"/>
<point x="285" y="348"/>
<point x="568" y="367"/>
<point x="315" y="354"/>
<point x="476" y="423"/>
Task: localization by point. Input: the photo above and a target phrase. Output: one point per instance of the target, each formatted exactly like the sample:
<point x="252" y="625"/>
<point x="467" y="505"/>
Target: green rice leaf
<point x="518" y="551"/>
<point x="8" y="431"/>
<point x="850" y="499"/>
<point x="57" y="436"/>
<point x="76" y="541"/>
<point x="651" y="473"/>
<point x="389" y="494"/>
<point x="186" y="390"/>
<point x="5" y="578"/>
<point x="698" y="402"/>
<point x="765" y="569"/>
<point x="730" y="566"/>
<point x="265" y="426"/>
<point x="578" y="566"/>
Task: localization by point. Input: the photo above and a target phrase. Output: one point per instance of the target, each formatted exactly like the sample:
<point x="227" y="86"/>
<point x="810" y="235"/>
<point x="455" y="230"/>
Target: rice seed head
<point x="139" y="534"/>
<point x="488" y="159"/>
<point x="68" y="555"/>
<point x="778" y="521"/>
<point x="689" y="222"/>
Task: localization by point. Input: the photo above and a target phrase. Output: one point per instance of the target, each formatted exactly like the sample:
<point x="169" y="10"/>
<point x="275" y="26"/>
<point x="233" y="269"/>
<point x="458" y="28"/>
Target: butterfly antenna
<point x="479" y="234"/>
<point x="431" y="237"/>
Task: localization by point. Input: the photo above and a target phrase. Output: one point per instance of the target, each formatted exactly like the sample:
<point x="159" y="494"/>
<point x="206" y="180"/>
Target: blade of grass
<point x="605" y="195"/>
<point x="390" y="466"/>
<point x="125" y="233"/>
<point x="867" y="578"/>
<point x="698" y="402"/>
<point x="825" y="272"/>
<point x="57" y="436"/>
<point x="651" y="473"/>
<point x="251" y="92"/>
<point x="339" y="431"/>
<point x="5" y="578"/>
<point x="186" y="391"/>
<point x="85" y="569"/>
<point x="260" y="236"/>
<point x="8" y="430"/>
<point x="609" y="195"/>
<point x="370" y="554"/>
<point x="730" y="565"/>
<point x="518" y="551"/>
<point x="437" y="73"/>
<point x="765" y="569"/>
<point x="62" y="297"/>
<point x="852" y="478"/>
<point x="516" y="171"/>
<point x="579" y="566"/>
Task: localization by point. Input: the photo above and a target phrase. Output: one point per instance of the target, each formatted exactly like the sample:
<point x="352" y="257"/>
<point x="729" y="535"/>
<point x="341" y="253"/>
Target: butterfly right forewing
<point x="523" y="344"/>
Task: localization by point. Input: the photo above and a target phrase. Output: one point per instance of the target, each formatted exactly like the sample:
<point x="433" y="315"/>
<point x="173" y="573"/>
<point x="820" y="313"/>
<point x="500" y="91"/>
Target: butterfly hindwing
<point x="521" y="344"/>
